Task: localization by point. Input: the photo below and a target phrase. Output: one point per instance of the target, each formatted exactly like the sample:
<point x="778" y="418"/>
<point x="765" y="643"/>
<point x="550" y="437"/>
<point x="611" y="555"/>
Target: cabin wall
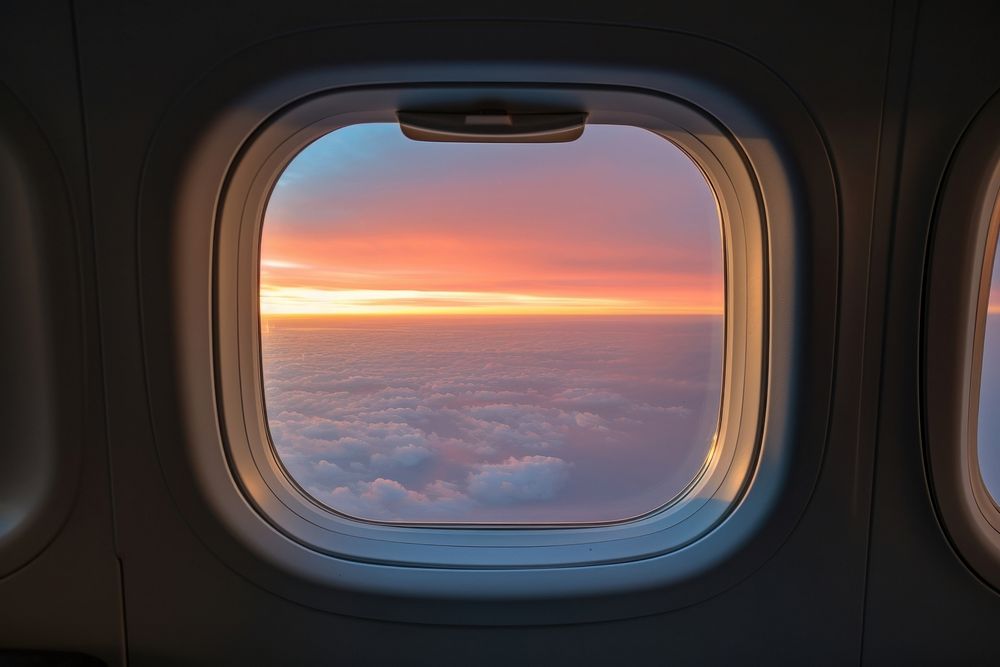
<point x="64" y="593"/>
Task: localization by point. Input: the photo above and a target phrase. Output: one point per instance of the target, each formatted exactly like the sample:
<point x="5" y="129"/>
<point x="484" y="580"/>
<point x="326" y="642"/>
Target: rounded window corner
<point x="231" y="486"/>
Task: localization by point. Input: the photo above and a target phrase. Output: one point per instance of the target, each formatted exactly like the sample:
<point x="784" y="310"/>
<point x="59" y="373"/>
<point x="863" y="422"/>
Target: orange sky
<point x="366" y="222"/>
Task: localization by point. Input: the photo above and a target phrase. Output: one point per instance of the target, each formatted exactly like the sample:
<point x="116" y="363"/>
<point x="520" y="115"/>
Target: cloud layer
<point x="493" y="419"/>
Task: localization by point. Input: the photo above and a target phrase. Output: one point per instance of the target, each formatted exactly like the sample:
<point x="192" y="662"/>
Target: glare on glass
<point x="988" y="438"/>
<point x="492" y="333"/>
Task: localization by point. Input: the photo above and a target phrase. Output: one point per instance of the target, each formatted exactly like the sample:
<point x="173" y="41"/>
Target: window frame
<point x="302" y="518"/>
<point x="964" y="233"/>
<point x="185" y="177"/>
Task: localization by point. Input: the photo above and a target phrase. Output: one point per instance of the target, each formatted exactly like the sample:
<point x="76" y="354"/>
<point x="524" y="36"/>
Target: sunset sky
<point x="367" y="222"/>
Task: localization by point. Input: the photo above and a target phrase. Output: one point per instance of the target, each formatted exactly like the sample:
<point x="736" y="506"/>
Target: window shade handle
<point x="492" y="127"/>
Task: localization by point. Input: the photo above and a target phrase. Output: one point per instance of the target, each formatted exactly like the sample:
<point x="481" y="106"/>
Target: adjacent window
<point x="494" y="333"/>
<point x="988" y="432"/>
<point x="962" y="349"/>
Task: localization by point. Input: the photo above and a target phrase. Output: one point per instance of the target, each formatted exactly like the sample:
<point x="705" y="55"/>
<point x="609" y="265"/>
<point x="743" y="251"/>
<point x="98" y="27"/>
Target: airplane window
<point x="989" y="394"/>
<point x="494" y="333"/>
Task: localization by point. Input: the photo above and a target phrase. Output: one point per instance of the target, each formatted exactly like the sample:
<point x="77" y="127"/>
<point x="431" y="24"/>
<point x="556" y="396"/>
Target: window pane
<point x="492" y="332"/>
<point x="989" y="393"/>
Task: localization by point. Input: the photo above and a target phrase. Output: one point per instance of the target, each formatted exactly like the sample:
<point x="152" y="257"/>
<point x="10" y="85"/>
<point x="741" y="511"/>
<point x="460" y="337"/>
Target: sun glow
<point x="309" y="301"/>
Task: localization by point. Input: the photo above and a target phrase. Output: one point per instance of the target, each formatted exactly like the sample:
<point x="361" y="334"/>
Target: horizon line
<point x="478" y="314"/>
